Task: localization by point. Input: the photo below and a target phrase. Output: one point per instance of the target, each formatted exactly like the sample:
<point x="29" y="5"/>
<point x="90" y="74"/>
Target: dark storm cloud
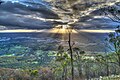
<point x="23" y="22"/>
<point x="23" y="9"/>
<point x="12" y="14"/>
<point x="13" y="8"/>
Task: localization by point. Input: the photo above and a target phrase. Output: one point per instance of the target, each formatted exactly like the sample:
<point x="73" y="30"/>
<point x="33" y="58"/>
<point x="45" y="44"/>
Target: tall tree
<point x="113" y="13"/>
<point x="73" y="10"/>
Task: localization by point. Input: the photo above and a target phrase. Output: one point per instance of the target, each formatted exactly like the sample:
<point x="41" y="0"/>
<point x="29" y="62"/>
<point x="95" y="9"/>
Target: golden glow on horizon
<point x="97" y="31"/>
<point x="62" y="31"/>
<point x="55" y="30"/>
<point x="19" y="31"/>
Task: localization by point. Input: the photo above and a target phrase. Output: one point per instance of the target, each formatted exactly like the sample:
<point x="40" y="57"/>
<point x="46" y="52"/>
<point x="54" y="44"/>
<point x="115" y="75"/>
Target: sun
<point x="62" y="29"/>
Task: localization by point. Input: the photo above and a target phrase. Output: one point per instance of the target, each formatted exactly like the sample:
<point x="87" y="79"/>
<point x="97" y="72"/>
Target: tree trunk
<point x="71" y="55"/>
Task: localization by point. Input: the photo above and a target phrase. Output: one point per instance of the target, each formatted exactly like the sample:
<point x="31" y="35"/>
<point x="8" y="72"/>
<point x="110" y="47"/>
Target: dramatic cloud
<point x="25" y="15"/>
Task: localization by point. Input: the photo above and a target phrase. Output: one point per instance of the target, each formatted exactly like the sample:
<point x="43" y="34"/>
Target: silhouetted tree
<point x="74" y="9"/>
<point x="113" y="13"/>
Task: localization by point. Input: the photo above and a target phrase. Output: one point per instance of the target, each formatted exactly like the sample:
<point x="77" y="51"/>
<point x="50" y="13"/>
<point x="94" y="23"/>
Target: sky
<point x="32" y="15"/>
<point x="29" y="14"/>
<point x="23" y="14"/>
